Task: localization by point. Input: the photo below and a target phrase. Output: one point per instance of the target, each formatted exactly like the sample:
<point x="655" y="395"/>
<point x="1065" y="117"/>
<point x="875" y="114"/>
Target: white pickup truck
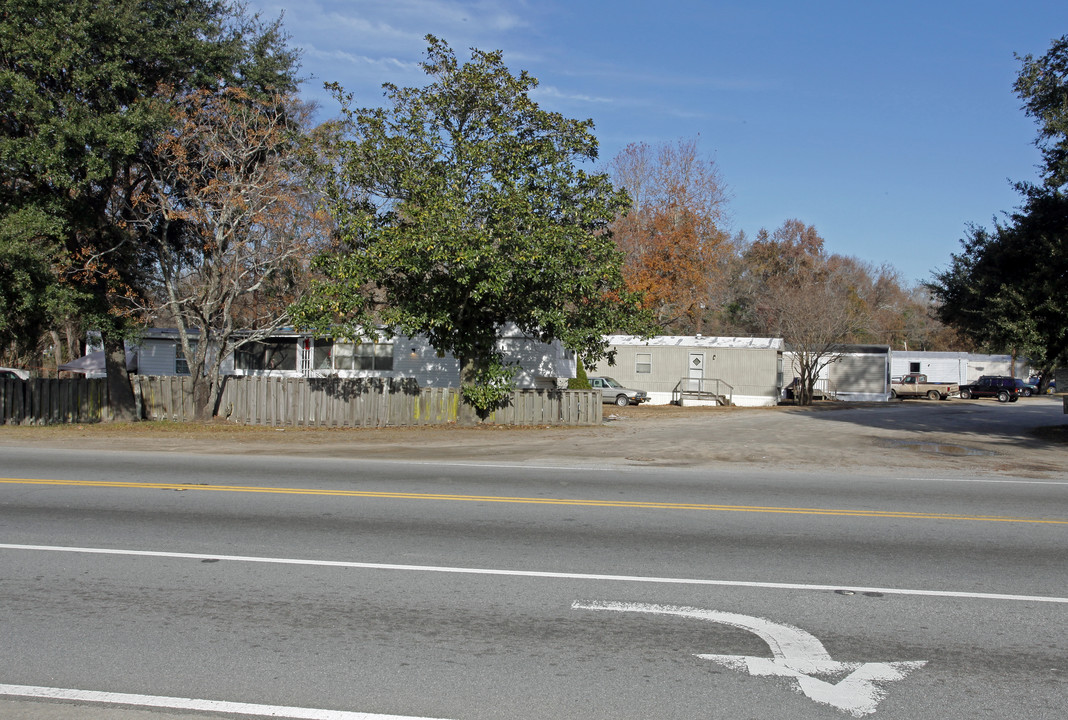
<point x="915" y="385"/>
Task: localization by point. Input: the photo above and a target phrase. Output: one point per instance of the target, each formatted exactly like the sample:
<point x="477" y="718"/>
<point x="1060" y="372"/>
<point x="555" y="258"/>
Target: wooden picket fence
<point x="45" y="401"/>
<point x="290" y="401"/>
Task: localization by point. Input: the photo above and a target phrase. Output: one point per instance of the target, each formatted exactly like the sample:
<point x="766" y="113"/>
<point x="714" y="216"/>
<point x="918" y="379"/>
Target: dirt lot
<point x="957" y="437"/>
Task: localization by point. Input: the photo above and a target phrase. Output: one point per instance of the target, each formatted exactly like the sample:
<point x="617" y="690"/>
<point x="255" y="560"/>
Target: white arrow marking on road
<point x="798" y="655"/>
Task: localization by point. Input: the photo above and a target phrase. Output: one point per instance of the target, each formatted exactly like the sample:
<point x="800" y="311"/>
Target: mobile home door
<point x="697" y="370"/>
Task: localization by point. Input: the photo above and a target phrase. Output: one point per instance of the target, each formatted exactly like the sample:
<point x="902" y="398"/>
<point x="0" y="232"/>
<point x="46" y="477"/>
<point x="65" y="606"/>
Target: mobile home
<point x="743" y="371"/>
<point x="292" y="354"/>
<point x="858" y="373"/>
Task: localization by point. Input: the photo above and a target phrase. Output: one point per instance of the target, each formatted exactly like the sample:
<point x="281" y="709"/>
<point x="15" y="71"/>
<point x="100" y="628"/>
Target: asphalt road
<point x="481" y="586"/>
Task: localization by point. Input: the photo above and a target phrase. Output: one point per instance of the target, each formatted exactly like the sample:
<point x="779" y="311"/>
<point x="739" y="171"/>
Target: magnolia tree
<point x="461" y="207"/>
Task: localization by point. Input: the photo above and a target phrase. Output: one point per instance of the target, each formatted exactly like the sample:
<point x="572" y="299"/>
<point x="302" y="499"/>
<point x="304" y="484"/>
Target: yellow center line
<point x="643" y="505"/>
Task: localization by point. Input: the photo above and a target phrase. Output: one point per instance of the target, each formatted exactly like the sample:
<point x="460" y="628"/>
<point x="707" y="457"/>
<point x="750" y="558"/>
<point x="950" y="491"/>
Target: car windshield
<point x="612" y="383"/>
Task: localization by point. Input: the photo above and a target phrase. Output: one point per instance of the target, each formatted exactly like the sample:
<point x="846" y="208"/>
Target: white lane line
<point x="988" y="482"/>
<point x="538" y="573"/>
<point x="175" y="703"/>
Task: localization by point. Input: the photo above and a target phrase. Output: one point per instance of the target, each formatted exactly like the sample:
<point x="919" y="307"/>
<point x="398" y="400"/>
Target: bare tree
<point x="800" y="294"/>
<point x="231" y="226"/>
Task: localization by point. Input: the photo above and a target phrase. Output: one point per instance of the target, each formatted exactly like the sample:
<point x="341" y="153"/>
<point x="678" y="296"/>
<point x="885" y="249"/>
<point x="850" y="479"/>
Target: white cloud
<point x="550" y="91"/>
<point x="399" y="25"/>
<point x="387" y="64"/>
<point x="363" y="43"/>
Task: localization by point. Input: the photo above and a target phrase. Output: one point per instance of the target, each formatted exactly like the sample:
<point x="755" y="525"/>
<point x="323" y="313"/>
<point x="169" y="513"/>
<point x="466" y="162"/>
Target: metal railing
<point x="719" y="391"/>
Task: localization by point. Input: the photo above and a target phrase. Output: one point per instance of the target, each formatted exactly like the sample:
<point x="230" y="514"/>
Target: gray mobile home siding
<point x="156" y="357"/>
<point x="752" y="373"/>
<point x="860" y="376"/>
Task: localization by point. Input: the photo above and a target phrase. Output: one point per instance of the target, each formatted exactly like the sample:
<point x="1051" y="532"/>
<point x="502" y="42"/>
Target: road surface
<point x="468" y="588"/>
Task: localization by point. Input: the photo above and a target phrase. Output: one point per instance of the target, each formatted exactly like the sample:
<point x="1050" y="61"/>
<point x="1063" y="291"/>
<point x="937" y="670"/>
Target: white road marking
<point x="988" y="481"/>
<point x="174" y="703"/>
<point x="798" y="655"/>
<point x="539" y="573"/>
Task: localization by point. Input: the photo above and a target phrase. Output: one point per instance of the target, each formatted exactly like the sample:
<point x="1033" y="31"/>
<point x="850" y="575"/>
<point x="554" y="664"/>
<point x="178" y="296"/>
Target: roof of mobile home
<point x="697" y="341"/>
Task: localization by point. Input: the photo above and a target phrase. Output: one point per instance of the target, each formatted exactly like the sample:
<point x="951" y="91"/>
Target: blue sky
<point x="888" y="126"/>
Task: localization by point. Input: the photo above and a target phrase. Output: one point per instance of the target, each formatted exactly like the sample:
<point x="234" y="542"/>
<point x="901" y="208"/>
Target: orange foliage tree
<point x="673" y="239"/>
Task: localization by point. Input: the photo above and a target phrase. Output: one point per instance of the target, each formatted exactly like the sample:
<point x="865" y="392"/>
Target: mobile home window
<point x="322" y="355"/>
<point x="363" y="356"/>
<point x="914" y="367"/>
<point x="267" y="355"/>
<point x="643" y="363"/>
<point x="181" y="363"/>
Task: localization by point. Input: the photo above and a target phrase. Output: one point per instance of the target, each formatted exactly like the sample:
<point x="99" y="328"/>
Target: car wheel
<point x="622" y="400"/>
<point x="934" y="395"/>
<point x="1003" y="396"/>
<point x="893" y="395"/>
<point x="1027" y="392"/>
<point x="965" y="395"/>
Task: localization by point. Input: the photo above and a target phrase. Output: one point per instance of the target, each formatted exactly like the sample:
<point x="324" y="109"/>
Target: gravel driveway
<point x="960" y="437"/>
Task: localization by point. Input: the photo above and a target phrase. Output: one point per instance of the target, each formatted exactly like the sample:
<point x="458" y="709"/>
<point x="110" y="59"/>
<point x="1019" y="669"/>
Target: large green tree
<point x="1042" y="84"/>
<point x="27" y="284"/>
<point x="1006" y="289"/>
<point x="84" y="86"/>
<point x="462" y="207"/>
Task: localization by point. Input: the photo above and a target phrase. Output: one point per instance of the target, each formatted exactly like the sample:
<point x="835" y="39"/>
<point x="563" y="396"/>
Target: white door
<point x="697" y="370"/>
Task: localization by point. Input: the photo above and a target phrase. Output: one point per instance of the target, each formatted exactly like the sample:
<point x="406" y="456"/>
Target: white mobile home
<point x="292" y="354"/>
<point x="747" y="371"/>
<point x="956" y="367"/>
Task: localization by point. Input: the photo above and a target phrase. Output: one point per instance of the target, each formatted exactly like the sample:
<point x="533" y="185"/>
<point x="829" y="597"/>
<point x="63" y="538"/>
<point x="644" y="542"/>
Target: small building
<point x="858" y="373"/>
<point x="744" y="371"/>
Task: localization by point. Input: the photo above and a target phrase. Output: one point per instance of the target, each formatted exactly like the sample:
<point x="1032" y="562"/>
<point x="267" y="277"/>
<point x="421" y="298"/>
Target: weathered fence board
<point x="289" y="401"/>
<point x="43" y="401"/>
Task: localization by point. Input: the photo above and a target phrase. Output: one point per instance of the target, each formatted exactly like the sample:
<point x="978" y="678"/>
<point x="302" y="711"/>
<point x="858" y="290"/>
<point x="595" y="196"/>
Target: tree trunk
<point x="807" y="385"/>
<point x="203" y="404"/>
<point x="57" y="350"/>
<point x="212" y="382"/>
<point x="120" y="391"/>
<point x="465" y="413"/>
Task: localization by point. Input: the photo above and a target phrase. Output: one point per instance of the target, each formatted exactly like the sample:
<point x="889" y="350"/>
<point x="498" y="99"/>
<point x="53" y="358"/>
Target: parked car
<point x="1051" y="386"/>
<point x="612" y="391"/>
<point x="1026" y="387"/>
<point x="1003" y="387"/>
<point x="13" y="374"/>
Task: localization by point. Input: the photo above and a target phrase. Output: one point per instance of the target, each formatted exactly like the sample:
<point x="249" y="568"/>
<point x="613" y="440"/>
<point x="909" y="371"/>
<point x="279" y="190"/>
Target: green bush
<point x="581" y="382"/>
